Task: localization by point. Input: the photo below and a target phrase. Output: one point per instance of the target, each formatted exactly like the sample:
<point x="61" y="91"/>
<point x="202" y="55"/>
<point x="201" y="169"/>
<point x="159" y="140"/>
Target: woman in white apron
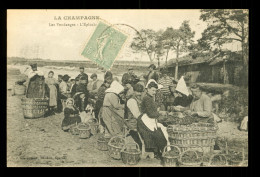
<point x="153" y="133"/>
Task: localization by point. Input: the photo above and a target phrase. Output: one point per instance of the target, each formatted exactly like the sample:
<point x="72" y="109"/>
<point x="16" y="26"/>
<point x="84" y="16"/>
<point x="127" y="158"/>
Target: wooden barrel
<point x="34" y="107"/>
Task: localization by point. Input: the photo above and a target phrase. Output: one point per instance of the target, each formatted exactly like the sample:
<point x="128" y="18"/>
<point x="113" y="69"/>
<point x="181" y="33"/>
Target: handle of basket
<point x="119" y="136"/>
<point x="164" y="149"/>
<point x="189" y="150"/>
<point x="138" y="147"/>
<point x="214" y="155"/>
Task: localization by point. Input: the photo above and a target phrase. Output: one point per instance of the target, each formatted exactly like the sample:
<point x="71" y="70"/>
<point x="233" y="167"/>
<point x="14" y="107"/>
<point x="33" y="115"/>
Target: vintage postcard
<point x="127" y="88"/>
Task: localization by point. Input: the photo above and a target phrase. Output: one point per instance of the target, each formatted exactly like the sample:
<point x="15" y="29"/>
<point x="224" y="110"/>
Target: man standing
<point x="82" y="74"/>
<point x="60" y="78"/>
<point x="94" y="85"/>
<point x="129" y="77"/>
<point x="167" y="83"/>
<point x="152" y="73"/>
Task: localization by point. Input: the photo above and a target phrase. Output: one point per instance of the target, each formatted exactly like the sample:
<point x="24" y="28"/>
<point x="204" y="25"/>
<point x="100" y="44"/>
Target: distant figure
<point x="51" y="82"/>
<point x="129" y="77"/>
<point x="101" y="96"/>
<point x="167" y="83"/>
<point x="82" y="74"/>
<point x="72" y="82"/>
<point x="60" y="78"/>
<point x="73" y="89"/>
<point x="152" y="73"/>
<point x="64" y="88"/>
<point x="94" y="85"/>
<point x="36" y="84"/>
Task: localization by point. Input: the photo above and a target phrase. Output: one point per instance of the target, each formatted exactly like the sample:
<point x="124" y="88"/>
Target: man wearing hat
<point x="82" y="74"/>
<point x="94" y="85"/>
<point x="73" y="89"/>
<point x="129" y="77"/>
<point x="64" y="88"/>
<point x="152" y="73"/>
<point x="167" y="84"/>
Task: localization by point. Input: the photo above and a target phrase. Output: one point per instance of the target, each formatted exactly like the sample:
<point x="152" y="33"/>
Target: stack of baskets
<point x="193" y="136"/>
<point x="34" y="107"/>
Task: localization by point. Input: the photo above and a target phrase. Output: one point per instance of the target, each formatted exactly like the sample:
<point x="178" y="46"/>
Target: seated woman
<point x="133" y="111"/>
<point x="201" y="106"/>
<point x="71" y="115"/>
<point x="113" y="111"/>
<point x="153" y="133"/>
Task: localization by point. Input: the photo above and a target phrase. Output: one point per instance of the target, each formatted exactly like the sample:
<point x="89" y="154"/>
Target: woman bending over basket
<point x="153" y="133"/>
<point x="113" y="111"/>
<point x="71" y="115"/>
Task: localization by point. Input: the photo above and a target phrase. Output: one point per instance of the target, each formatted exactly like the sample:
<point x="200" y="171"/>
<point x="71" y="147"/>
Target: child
<point x="71" y="115"/>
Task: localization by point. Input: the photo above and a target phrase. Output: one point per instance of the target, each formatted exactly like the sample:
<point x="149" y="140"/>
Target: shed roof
<point x="211" y="59"/>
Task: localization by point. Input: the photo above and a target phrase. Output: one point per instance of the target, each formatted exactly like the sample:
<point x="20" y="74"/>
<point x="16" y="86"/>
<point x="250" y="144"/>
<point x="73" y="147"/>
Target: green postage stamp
<point x="104" y="45"/>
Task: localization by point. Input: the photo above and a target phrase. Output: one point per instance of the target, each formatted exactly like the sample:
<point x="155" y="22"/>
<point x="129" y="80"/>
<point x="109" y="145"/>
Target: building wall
<point x="210" y="74"/>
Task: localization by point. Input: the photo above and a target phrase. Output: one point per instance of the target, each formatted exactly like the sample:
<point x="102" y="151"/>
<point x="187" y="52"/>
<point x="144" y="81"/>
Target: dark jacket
<point x="149" y="107"/>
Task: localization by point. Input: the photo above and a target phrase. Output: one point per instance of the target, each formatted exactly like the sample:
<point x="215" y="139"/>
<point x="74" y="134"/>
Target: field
<point x="41" y="142"/>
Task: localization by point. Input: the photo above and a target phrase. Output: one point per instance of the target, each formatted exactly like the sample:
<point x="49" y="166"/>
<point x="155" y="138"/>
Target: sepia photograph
<point x="127" y="88"/>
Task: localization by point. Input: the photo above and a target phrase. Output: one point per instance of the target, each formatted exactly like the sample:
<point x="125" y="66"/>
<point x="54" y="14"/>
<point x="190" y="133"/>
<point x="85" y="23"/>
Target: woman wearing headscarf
<point x="113" y="111"/>
<point x="51" y="82"/>
<point x="153" y="133"/>
<point x="71" y="115"/>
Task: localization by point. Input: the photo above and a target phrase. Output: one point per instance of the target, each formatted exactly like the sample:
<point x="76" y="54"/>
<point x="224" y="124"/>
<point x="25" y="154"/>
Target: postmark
<point x="105" y="44"/>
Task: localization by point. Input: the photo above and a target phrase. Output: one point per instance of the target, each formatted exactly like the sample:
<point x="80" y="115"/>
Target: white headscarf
<point x="115" y="87"/>
<point x="182" y="87"/>
<point x="152" y="80"/>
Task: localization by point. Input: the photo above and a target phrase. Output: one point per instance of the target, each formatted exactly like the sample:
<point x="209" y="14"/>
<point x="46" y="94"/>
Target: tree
<point x="146" y="41"/>
<point x="177" y="40"/>
<point x="226" y="26"/>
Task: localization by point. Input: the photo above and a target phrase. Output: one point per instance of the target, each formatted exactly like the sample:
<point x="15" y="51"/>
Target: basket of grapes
<point x="171" y="157"/>
<point x="115" y="145"/>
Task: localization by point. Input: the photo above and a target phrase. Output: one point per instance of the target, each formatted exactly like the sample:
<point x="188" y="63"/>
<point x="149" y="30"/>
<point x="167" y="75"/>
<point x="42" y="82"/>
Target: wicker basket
<point x="93" y="126"/>
<point x="34" y="107"/>
<point x="170" y="160"/>
<point x="114" y="150"/>
<point x="102" y="143"/>
<point x="222" y="156"/>
<point x="74" y="129"/>
<point x="19" y="89"/>
<point x="84" y="130"/>
<point x="194" y="135"/>
<point x="131" y="156"/>
<point x="192" y="164"/>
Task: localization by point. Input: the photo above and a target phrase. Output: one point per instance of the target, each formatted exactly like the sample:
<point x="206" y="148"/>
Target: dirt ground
<point x="41" y="142"/>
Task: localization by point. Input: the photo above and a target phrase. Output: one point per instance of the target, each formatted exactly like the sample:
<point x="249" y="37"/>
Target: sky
<point x="36" y="34"/>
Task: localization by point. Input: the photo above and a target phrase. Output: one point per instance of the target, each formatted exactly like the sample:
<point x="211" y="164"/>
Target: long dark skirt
<point x="36" y="87"/>
<point x="154" y="140"/>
